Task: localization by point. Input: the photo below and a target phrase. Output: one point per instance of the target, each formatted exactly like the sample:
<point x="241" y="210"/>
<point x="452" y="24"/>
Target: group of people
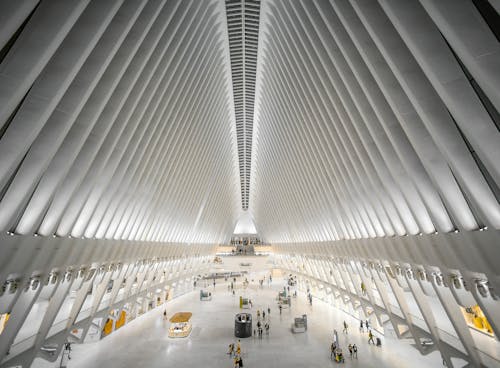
<point x="235" y="353"/>
<point x="362" y="325"/>
<point x="338" y="356"/>
<point x="260" y="329"/>
<point x="370" y="333"/>
<point x="336" y="352"/>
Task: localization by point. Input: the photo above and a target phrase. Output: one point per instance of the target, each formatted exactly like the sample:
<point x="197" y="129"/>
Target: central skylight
<point x="243" y="30"/>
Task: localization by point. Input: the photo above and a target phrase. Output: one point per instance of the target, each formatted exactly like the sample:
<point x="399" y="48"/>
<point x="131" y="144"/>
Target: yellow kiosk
<point x="181" y="327"/>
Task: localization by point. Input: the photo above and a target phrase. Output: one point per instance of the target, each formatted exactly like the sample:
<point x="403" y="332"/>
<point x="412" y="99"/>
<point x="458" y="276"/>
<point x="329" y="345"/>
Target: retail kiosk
<point x="181" y="325"/>
<point x="205" y="295"/>
<point x="300" y="324"/>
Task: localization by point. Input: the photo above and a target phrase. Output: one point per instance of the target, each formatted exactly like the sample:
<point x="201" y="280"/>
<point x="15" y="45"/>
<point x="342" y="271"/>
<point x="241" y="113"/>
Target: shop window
<point x="476" y="319"/>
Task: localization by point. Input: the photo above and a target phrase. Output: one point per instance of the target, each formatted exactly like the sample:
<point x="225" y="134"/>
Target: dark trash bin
<point x="243" y="325"/>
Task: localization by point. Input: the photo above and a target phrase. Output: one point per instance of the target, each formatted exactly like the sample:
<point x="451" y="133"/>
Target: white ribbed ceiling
<point x="161" y="120"/>
<point x="374" y="118"/>
<point x="116" y="120"/>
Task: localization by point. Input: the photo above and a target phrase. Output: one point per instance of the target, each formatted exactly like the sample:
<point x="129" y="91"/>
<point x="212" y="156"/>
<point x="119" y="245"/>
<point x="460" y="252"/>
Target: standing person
<point x="350" y="350"/>
<point x="345" y="327"/>
<point x="268" y="311"/>
<point x="263" y="314"/>
<point x="214" y="283"/>
<point x="240" y="362"/>
<point x="355" y="351"/>
<point x="361" y="326"/>
<point x="332" y="350"/>
<point x="267" y="328"/>
<point x="367" y="324"/>
<point x="238" y="348"/>
<point x="280" y="308"/>
<point x="165" y="314"/>
<point x="370" y="337"/>
<point x="258" y="314"/>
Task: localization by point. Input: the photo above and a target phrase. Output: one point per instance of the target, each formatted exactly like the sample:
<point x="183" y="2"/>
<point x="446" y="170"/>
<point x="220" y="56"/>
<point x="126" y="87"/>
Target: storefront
<point x="476" y="319"/>
<point x="3" y="321"/>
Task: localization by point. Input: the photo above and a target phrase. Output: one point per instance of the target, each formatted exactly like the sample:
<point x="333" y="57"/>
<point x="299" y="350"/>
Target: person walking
<point x="345" y="327"/>
<point x="350" y="350"/>
<point x="165" y="315"/>
<point x="361" y="326"/>
<point x="370" y="337"/>
<point x="238" y="348"/>
<point x="263" y="314"/>
<point x="355" y="351"/>
<point x="280" y="308"/>
<point x="332" y="350"/>
<point x="268" y="311"/>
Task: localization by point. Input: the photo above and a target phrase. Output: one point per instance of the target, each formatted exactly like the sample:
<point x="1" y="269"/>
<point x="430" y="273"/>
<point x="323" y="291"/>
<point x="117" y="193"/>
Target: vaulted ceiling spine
<point x="243" y="18"/>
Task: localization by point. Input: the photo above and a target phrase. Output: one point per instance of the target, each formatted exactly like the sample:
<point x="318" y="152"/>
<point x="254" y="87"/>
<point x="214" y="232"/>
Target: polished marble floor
<point x="144" y="342"/>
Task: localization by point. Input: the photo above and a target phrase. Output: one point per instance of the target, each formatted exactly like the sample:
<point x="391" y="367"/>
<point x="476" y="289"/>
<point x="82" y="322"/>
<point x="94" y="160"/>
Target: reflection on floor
<point x="144" y="342"/>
